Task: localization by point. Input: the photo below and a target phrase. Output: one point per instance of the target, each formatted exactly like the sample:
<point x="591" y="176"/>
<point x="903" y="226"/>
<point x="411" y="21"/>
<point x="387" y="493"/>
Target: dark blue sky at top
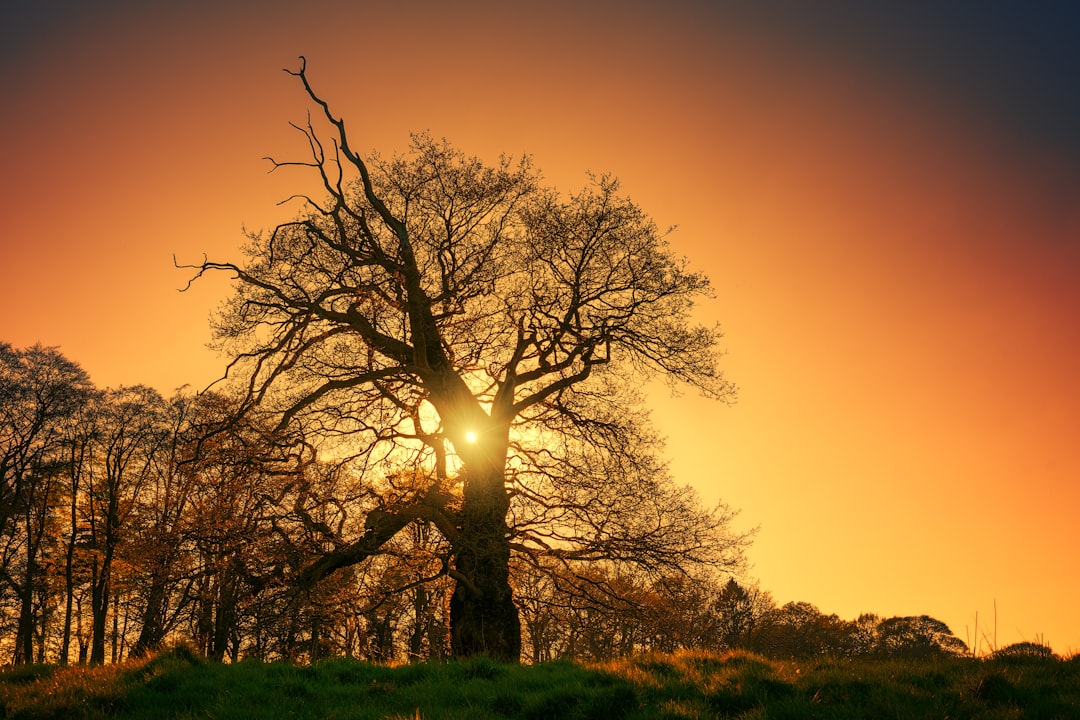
<point x="1017" y="62"/>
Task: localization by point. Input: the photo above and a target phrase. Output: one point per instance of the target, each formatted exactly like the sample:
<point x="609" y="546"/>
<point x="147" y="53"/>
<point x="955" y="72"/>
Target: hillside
<point x="177" y="684"/>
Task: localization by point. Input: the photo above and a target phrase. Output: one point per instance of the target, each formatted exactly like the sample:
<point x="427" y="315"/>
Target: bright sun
<point x="470" y="437"/>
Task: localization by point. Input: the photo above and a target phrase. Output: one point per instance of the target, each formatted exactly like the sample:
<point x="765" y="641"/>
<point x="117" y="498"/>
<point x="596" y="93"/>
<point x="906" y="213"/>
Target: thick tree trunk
<point x="24" y="652"/>
<point x="225" y="617"/>
<point x="483" y="617"/>
<point x="99" y="612"/>
<point x="153" y="626"/>
<point x="24" y="645"/>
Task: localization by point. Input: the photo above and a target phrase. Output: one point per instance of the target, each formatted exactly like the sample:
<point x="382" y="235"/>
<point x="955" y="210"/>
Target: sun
<point x="470" y="436"/>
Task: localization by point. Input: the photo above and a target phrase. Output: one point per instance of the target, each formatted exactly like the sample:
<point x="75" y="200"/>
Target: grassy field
<point x="176" y="684"/>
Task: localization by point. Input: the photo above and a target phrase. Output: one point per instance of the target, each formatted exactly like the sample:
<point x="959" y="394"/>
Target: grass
<point x="180" y="686"/>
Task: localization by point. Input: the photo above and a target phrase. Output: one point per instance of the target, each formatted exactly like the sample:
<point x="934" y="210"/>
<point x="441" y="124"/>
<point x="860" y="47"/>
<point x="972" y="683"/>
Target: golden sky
<point x="893" y="234"/>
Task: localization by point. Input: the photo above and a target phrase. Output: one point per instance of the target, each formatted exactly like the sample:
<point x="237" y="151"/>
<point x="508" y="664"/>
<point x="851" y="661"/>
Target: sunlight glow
<point x="470" y="437"/>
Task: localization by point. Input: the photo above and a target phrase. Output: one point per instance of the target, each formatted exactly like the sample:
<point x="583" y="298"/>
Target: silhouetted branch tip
<point x="201" y="267"/>
<point x="300" y="72"/>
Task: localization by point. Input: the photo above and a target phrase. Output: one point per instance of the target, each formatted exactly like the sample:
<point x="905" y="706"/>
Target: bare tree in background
<point x="430" y="311"/>
<point x="41" y="391"/>
<point x="131" y="430"/>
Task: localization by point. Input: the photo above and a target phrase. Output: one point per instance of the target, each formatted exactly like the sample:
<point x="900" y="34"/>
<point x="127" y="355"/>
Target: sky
<point x="885" y="195"/>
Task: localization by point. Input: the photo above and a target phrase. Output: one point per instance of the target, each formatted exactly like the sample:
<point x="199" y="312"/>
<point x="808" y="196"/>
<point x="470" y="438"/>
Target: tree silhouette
<point x="1025" y="649"/>
<point x="130" y="431"/>
<point x="40" y="392"/>
<point x="917" y="636"/>
<point x="430" y="311"/>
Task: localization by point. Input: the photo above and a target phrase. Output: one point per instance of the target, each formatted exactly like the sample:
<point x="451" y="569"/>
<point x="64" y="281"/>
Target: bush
<point x="1025" y="650"/>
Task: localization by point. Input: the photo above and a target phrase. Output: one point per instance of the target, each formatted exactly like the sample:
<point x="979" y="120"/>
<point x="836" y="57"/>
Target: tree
<point x="161" y="533"/>
<point x="79" y="447"/>
<point x="739" y="610"/>
<point x="131" y="432"/>
<point x="917" y="636"/>
<point x="1026" y="649"/>
<point x="40" y="391"/>
<point x="239" y="496"/>
<point x="799" y="629"/>
<point x="430" y="311"/>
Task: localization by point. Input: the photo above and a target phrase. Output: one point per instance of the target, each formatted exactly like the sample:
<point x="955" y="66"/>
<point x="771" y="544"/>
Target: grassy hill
<point x="176" y="684"/>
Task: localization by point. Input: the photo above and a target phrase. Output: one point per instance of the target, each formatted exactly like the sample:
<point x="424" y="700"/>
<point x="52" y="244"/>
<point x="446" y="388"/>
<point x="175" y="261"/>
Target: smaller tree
<point x="131" y="431"/>
<point x="739" y="611"/>
<point x="799" y="629"/>
<point x="863" y="635"/>
<point x="161" y="537"/>
<point x="1026" y="649"/>
<point x="234" y="523"/>
<point x="40" y="392"/>
<point x="917" y="637"/>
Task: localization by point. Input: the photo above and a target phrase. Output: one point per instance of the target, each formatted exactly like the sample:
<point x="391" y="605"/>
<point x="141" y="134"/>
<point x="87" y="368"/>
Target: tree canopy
<point x="464" y="320"/>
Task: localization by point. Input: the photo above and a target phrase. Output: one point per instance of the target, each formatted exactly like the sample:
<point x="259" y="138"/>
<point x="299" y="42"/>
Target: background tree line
<point x="128" y="518"/>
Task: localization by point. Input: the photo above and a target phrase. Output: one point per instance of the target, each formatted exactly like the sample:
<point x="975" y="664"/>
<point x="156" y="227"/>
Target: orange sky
<point x="896" y="268"/>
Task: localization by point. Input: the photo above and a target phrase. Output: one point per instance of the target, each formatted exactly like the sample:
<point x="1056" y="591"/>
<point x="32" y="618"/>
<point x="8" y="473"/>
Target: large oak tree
<point x="463" y="319"/>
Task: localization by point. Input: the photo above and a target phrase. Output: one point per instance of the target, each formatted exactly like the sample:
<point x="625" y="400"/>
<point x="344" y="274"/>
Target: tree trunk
<point x="24" y="633"/>
<point x="24" y="644"/>
<point x="24" y="652"/>
<point x="315" y="644"/>
<point x="117" y="636"/>
<point x="153" y="626"/>
<point x="483" y="618"/>
<point x="79" y="634"/>
<point x="69" y="577"/>
<point x="225" y="618"/>
<point x="420" y="623"/>
<point x="99" y="611"/>
<point x="204" y="616"/>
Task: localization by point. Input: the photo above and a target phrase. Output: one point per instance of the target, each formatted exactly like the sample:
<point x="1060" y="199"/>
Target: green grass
<point x="177" y="685"/>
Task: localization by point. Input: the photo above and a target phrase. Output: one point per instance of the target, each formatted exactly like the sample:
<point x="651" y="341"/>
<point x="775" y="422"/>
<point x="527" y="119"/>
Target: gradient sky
<point x="886" y="196"/>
